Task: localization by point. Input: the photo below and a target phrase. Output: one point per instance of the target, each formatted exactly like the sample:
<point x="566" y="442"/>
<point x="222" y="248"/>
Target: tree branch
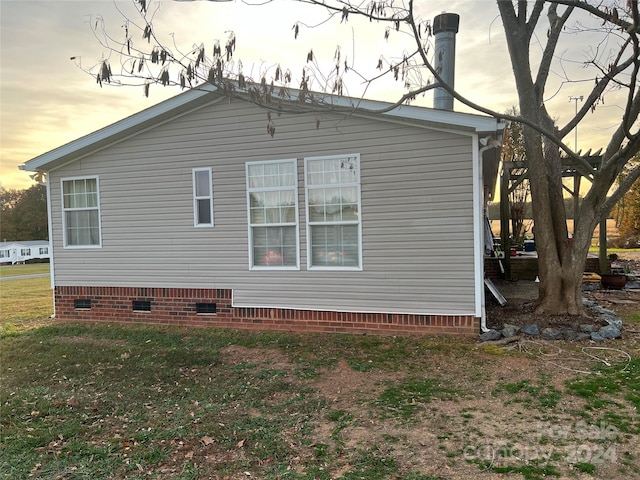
<point x="535" y="16"/>
<point x="611" y="16"/>
<point x="622" y="188"/>
<point x="556" y="25"/>
<point x="521" y="33"/>
<point x="593" y="97"/>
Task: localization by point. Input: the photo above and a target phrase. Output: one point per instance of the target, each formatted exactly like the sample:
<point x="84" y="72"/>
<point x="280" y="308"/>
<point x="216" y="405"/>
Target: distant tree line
<point x="626" y="214"/>
<point x="23" y="214"/>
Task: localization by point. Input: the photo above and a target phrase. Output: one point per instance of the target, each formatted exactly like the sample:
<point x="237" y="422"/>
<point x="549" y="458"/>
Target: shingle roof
<point x="26" y="243"/>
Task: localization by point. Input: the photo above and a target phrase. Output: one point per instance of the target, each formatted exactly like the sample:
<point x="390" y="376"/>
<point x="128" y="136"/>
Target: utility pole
<point x="576" y="177"/>
<point x="575" y="99"/>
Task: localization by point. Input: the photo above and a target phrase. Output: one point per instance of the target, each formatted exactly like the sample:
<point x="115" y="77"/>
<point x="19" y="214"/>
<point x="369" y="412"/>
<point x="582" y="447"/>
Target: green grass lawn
<point x="25" y="300"/>
<point x="617" y="251"/>
<point x="150" y="402"/>
<point x="141" y="402"/>
<point x="26" y="269"/>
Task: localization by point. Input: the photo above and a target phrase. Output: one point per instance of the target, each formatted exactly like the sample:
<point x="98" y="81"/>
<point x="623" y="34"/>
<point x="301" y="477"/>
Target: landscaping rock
<point x="613" y="320"/>
<point x="590" y="287"/>
<point x="551" y="334"/>
<point x="510" y="330"/>
<point x="610" y="331"/>
<point x="603" y="311"/>
<point x="563" y="328"/>
<point x="490" y="335"/>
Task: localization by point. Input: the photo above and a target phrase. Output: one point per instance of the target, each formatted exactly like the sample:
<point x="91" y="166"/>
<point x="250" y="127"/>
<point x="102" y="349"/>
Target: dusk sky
<point x="47" y="100"/>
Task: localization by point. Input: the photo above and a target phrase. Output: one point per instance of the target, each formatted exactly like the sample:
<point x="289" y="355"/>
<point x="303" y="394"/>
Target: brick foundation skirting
<point x="178" y="306"/>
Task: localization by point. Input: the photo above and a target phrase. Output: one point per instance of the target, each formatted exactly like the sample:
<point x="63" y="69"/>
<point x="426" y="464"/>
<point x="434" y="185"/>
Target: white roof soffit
<point x="206" y="93"/>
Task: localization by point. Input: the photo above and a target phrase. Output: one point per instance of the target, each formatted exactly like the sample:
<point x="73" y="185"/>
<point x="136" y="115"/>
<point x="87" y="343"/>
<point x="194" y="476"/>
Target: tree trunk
<point x="560" y="262"/>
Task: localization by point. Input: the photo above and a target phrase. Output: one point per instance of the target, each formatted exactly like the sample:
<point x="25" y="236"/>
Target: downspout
<point x="483" y="314"/>
<point x="50" y="232"/>
<point x="488" y="143"/>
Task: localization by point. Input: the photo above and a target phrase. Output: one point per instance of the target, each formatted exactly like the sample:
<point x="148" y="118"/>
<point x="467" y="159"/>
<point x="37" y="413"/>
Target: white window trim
<point x="64" y="221"/>
<point x="294" y="161"/>
<point x="203" y="197"/>
<point x="357" y="184"/>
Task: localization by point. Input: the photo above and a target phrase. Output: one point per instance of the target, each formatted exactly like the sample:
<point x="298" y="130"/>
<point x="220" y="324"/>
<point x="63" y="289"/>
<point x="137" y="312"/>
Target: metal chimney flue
<point x="445" y="27"/>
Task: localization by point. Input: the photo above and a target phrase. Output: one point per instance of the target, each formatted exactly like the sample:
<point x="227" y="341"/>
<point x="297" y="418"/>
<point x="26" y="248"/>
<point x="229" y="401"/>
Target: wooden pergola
<point x="514" y="173"/>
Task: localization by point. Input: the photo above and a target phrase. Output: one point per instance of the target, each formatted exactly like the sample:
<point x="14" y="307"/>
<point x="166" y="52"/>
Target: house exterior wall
<point x="417" y="213"/>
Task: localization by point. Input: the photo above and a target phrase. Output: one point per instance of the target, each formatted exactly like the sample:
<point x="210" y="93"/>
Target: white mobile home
<point x="21" y="252"/>
<point x="347" y="219"/>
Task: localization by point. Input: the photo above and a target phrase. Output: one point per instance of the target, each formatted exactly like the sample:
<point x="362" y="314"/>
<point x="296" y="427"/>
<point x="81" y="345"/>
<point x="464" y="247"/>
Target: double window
<point x="332" y="201"/>
<point x="272" y="202"/>
<point x="202" y="197"/>
<point x="81" y="212"/>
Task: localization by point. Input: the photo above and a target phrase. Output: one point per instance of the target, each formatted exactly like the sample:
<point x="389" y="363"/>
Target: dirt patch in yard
<point x="503" y="411"/>
<point x="237" y="355"/>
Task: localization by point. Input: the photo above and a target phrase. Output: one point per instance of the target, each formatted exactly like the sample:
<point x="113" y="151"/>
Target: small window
<point x="141" y="306"/>
<point x="4" y="254"/>
<point x="205" y="308"/>
<point x="202" y="198"/>
<point x="82" y="304"/>
<point x="44" y="251"/>
<point x="25" y="252"/>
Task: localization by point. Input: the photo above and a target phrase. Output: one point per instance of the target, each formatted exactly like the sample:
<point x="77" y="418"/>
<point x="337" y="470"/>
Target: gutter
<point x="488" y="143"/>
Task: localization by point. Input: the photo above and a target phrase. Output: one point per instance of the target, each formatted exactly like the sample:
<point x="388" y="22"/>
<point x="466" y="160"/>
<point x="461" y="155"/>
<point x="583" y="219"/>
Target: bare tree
<point x="612" y="66"/>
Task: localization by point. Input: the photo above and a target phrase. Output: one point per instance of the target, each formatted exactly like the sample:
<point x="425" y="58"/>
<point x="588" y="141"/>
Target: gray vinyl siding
<point x="417" y="212"/>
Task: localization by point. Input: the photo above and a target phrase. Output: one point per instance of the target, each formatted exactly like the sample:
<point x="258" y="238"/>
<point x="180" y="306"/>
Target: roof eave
<point x="122" y="128"/>
<point x="207" y="93"/>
